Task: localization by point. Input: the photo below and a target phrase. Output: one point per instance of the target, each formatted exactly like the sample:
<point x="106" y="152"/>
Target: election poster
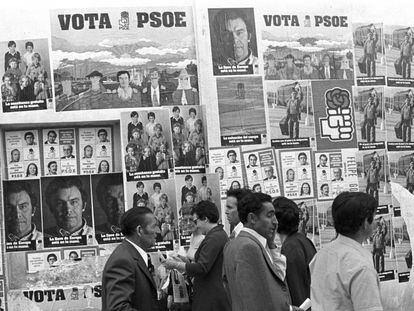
<point x="67" y="211"/>
<point x="23" y="215"/>
<point x="336" y="172"/>
<point x="370" y="113"/>
<point x="306" y="43"/>
<point x="108" y="206"/>
<point x="399" y="41"/>
<point x="297" y="174"/>
<point x="334" y="115"/>
<point x="226" y="162"/>
<point x="369" y="53"/>
<point x="290" y="112"/>
<point x="309" y="221"/>
<point x="403" y="251"/>
<point x="26" y="75"/>
<point x="189" y="139"/>
<point x="68" y="156"/>
<point x="123" y="57"/>
<point x="241" y="110"/>
<point x="401" y="166"/>
<point x="233" y="41"/>
<point x="95" y="146"/>
<point x="22" y="154"/>
<point x="399" y="107"/>
<point x="262" y="171"/>
<point x="148" y="153"/>
<point x="160" y="197"/>
<point x="374" y="174"/>
<point x="327" y="231"/>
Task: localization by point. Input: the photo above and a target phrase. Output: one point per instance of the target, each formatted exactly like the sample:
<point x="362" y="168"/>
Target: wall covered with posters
<point x="164" y="105"/>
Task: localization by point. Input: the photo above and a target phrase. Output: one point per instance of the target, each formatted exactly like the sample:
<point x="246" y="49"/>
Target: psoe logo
<point x="124" y="21"/>
<point x="338" y="123"/>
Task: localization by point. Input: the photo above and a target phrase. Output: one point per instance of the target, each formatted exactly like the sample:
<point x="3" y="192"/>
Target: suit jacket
<point x="209" y="293"/>
<point x="299" y="251"/>
<point x="165" y="95"/>
<point x="127" y="284"/>
<point x="250" y="278"/>
<point x="190" y="95"/>
<point x="332" y="73"/>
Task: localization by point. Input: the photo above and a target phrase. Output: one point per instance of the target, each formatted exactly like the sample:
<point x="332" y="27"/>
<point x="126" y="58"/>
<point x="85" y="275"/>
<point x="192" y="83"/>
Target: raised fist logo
<point x="338" y="125"/>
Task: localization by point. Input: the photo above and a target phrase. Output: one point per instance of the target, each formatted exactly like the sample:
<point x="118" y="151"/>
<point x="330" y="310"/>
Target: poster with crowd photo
<point x="399" y="108"/>
<point x="369" y="107"/>
<point x="123" y="57"/>
<point x="290" y="114"/>
<point x="161" y="198"/>
<point x="109" y="206"/>
<point x="226" y="162"/>
<point x="189" y="139"/>
<point x="334" y="115"/>
<point x="22" y="154"/>
<point x="399" y="41"/>
<point x="191" y="189"/>
<point x="369" y="53"/>
<point x="327" y="231"/>
<point x="67" y="211"/>
<point x="26" y="75"/>
<point x="262" y="171"/>
<point x="403" y="251"/>
<point x="308" y="220"/>
<point x="306" y="45"/>
<point x="241" y="111"/>
<point x="233" y="41"/>
<point x="147" y="144"/>
<point x="382" y="245"/>
<point x="95" y="145"/>
<point x="22" y="214"/>
<point x="297" y="174"/>
<point x="336" y="172"/>
<point x="374" y="174"/>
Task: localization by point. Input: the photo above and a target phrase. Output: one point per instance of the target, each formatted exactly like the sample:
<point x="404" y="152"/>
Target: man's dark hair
<point x="230" y="152"/>
<point x="323" y="185"/>
<point x="306" y="56"/>
<point x="133" y="114"/>
<point x="11" y="43"/>
<point x="188" y="177"/>
<point x="350" y="209"/>
<point x="151" y="114"/>
<point x="302" y="154"/>
<point x="289" y="56"/>
<point x="133" y="218"/>
<point x="238" y="193"/>
<point x="119" y="73"/>
<point x="176" y="108"/>
<point x="192" y="110"/>
<point x="28" y="134"/>
<point x="51" y="256"/>
<point x="104" y="183"/>
<point x="50" y="163"/>
<point x="51" y="132"/>
<point x="139" y="184"/>
<point x="156" y="184"/>
<point x="252" y="155"/>
<point x="102" y="131"/>
<point x="252" y="203"/>
<point x="323" y="155"/>
<point x="232" y="14"/>
<point x="287" y="214"/>
<point x="204" y="178"/>
<point x="206" y="209"/>
<point x="28" y="43"/>
<point x="20" y="186"/>
<point x="58" y="183"/>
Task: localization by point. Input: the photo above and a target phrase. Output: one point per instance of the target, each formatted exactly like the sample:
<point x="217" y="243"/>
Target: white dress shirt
<point x="158" y="94"/>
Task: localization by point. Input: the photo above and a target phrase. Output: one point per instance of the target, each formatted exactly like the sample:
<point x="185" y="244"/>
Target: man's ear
<point x="251" y="218"/>
<point x="34" y="210"/>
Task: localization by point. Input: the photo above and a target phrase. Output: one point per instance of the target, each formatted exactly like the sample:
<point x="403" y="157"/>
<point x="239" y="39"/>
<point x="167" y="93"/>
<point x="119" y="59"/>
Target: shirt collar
<point x="348" y="241"/>
<point x="238" y="228"/>
<point x="140" y="251"/>
<point x="27" y="237"/>
<point x="81" y="231"/>
<point x="261" y="239"/>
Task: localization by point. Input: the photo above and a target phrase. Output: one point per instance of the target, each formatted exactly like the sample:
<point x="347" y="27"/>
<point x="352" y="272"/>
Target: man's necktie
<point x="155" y="99"/>
<point x="232" y="235"/>
<point x="327" y="73"/>
<point x="151" y="267"/>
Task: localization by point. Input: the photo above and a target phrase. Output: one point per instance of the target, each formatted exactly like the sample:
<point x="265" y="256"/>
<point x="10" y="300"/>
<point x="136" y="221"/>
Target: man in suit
<point x="67" y="152"/>
<point x="253" y="272"/>
<point x="127" y="283"/>
<point x="327" y="71"/>
<point x="370" y="51"/>
<point x="155" y="94"/>
<point x="234" y="196"/>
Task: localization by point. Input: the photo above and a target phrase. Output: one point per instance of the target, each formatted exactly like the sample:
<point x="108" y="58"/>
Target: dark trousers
<point x="372" y="189"/>
<point x="410" y="188"/>
<point x="370" y="63"/>
<point x="370" y="130"/>
<point x="293" y="126"/>
<point x="406" y="66"/>
<point x="406" y="131"/>
<point x="378" y="257"/>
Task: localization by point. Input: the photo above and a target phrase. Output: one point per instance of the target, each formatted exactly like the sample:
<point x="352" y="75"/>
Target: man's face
<point x="189" y="182"/>
<point x="53" y="168"/>
<point x="123" y="80"/>
<point x="7" y="80"/>
<point x="95" y="80"/>
<point x="88" y="152"/>
<point x="102" y="137"/>
<point x="232" y="157"/>
<point x="266" y="222"/>
<point x="134" y="119"/>
<point x="68" y="208"/>
<point x="337" y="174"/>
<point x="325" y="190"/>
<point x="29" y="139"/>
<point x="307" y="61"/>
<point x="114" y="203"/>
<point x="154" y="79"/>
<point x="323" y="160"/>
<point x="302" y="159"/>
<point x="290" y="175"/>
<point x="15" y="156"/>
<point x="258" y="188"/>
<point x="19" y="213"/>
<point x="73" y="256"/>
<point x="149" y="232"/>
<point x="140" y="189"/>
<point x="220" y="171"/>
<point x="67" y="150"/>
<point x="241" y="37"/>
<point x="269" y="172"/>
<point x="252" y="161"/>
<point x="147" y="152"/>
<point x="231" y="211"/>
<point x="51" y="260"/>
<point x="157" y="131"/>
<point x="289" y="62"/>
<point x="187" y="225"/>
<point x="176" y="113"/>
<point x="51" y="137"/>
<point x="12" y="48"/>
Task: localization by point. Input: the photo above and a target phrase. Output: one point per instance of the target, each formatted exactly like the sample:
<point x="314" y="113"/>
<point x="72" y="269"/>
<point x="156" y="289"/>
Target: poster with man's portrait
<point x="126" y="58"/>
<point x="233" y="41"/>
<point x="67" y="211"/>
<point x="402" y="241"/>
<point x="22" y="214"/>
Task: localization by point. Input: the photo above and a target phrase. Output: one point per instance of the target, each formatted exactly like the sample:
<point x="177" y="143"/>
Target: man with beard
<point x="110" y="194"/>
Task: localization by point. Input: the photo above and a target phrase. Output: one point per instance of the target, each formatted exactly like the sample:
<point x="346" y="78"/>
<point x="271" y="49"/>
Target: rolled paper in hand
<point x="306" y="304"/>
